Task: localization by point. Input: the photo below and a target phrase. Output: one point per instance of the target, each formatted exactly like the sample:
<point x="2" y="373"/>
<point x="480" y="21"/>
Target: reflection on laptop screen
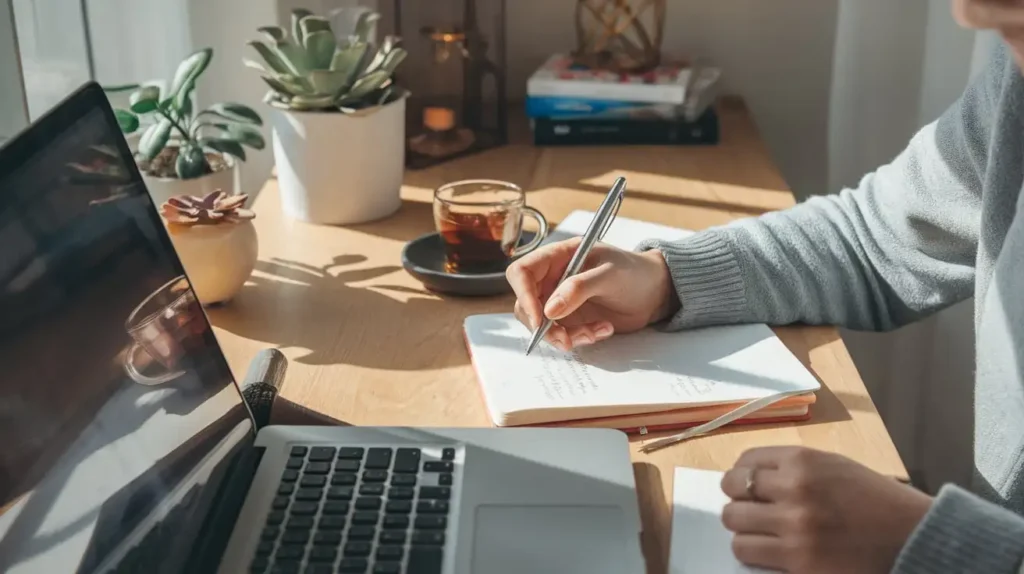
<point x="115" y="402"/>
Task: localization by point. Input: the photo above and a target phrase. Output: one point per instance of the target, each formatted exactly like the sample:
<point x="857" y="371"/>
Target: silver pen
<point x="603" y="219"/>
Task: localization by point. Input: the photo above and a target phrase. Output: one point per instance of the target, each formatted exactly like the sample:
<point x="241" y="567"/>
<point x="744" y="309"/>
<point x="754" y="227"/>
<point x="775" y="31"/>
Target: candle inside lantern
<point x="439" y="119"/>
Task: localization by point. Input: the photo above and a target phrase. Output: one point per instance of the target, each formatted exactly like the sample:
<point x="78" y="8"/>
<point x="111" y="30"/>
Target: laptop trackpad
<point x="555" y="539"/>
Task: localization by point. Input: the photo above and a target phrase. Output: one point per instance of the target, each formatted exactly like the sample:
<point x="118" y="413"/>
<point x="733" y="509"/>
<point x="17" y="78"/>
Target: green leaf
<point x="237" y="112"/>
<point x="189" y="70"/>
<point x="312" y="102"/>
<point x="280" y="87"/>
<point x="274" y="58"/>
<point x="224" y="145"/>
<point x="183" y="100"/>
<point x="297" y="15"/>
<point x="294" y="55"/>
<point x="191" y="162"/>
<point x="273" y="33"/>
<point x="366" y="85"/>
<point x="154" y="139"/>
<point x="320" y="49"/>
<point x="392" y="60"/>
<point x="247" y="135"/>
<point x="311" y="25"/>
<point x="145" y="99"/>
<point x="120" y="88"/>
<point x="127" y="121"/>
<point x="366" y="26"/>
<point x="329" y="82"/>
<point x="348" y="60"/>
<point x="254" y="65"/>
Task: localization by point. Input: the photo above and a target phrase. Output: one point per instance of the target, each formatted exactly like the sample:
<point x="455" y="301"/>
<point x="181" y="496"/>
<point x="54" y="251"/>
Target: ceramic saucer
<point x="423" y="258"/>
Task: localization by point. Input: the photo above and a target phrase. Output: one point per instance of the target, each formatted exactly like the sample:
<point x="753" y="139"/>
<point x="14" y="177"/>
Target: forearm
<point x="964" y="534"/>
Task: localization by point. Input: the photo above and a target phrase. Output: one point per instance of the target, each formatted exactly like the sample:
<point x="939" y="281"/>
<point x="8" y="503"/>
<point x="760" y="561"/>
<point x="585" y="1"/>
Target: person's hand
<point x="812" y="511"/>
<point x="617" y="291"/>
<point x="1006" y="18"/>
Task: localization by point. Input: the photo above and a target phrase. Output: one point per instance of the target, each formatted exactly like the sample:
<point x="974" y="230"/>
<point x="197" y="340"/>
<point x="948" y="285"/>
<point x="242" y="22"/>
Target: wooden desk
<point x="370" y="347"/>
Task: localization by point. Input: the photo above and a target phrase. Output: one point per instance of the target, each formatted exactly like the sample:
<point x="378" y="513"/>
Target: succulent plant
<point x="188" y="137"/>
<point x="213" y="209"/>
<point x="314" y="70"/>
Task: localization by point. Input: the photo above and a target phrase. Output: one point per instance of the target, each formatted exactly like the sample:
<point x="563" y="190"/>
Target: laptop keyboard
<point x="354" y="509"/>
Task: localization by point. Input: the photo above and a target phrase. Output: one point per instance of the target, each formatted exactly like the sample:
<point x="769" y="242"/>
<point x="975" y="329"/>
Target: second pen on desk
<point x="603" y="218"/>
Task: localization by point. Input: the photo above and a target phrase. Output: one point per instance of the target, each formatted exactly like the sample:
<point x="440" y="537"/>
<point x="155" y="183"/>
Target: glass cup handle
<point x="542" y="232"/>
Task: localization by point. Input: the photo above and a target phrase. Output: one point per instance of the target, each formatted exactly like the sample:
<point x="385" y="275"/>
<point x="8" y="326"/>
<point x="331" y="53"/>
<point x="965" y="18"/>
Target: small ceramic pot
<point x="218" y="259"/>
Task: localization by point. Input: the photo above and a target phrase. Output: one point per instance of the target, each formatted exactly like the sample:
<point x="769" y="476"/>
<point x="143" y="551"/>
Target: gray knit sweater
<point x="942" y="222"/>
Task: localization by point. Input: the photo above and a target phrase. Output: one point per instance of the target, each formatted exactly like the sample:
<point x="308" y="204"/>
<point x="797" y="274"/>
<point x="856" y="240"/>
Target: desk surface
<point x="369" y="346"/>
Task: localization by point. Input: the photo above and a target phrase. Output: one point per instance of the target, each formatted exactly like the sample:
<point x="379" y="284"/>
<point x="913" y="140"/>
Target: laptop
<point x="127" y="446"/>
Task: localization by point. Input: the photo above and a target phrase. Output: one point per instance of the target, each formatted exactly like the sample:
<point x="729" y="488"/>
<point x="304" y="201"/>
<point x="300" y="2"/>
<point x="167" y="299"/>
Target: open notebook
<point x="650" y="380"/>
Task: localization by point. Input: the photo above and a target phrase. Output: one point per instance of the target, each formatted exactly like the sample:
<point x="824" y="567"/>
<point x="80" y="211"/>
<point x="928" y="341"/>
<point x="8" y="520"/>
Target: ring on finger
<point x="750" y="484"/>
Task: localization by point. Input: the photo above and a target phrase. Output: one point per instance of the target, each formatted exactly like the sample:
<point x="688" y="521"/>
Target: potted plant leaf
<point x="216" y="241"/>
<point x="338" y="118"/>
<point x="181" y="151"/>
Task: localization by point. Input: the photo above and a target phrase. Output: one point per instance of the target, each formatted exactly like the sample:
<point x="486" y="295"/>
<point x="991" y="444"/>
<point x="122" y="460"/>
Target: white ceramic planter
<point x="218" y="259"/>
<point x="340" y="168"/>
<point x="162" y="188"/>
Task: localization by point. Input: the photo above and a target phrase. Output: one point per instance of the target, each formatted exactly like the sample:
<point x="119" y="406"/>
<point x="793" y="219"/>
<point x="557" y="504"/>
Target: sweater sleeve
<point x="899" y="246"/>
<point x="963" y="534"/>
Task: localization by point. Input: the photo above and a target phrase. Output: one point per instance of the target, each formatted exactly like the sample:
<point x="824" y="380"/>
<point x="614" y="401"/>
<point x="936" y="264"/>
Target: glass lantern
<point x="455" y="71"/>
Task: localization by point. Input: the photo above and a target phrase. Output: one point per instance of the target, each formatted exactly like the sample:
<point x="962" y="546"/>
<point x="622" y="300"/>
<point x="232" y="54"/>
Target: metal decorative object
<point x="622" y="36"/>
<point x="456" y="75"/>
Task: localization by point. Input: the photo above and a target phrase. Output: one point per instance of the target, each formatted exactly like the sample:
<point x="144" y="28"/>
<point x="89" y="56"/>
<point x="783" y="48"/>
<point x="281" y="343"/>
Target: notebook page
<point x="640" y="372"/>
<point x="700" y="543"/>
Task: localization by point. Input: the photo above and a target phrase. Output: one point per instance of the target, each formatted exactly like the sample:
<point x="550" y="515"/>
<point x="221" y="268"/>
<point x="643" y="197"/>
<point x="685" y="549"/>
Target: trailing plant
<point x="179" y="142"/>
<point x="312" y="69"/>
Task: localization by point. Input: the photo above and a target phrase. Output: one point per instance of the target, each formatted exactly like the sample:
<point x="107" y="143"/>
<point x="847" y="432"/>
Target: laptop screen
<point x="116" y="405"/>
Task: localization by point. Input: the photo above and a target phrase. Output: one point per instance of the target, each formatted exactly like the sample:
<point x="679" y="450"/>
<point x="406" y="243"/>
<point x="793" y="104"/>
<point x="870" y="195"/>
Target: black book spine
<point x="577" y="131"/>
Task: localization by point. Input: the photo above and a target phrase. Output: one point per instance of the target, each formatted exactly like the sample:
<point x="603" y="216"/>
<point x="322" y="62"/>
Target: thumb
<point x="574" y="292"/>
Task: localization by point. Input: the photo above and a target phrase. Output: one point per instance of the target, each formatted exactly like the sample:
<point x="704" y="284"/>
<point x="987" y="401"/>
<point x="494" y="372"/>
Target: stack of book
<point x="573" y="105"/>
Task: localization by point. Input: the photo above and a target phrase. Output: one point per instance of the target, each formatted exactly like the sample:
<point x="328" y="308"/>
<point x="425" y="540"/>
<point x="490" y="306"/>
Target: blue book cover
<point x="573" y="107"/>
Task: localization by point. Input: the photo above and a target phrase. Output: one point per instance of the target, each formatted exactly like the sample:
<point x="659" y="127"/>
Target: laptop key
<point x="407" y="460"/>
<point x="435" y="492"/>
<point x="298" y="451"/>
<point x="432" y="507"/>
<point x="318" y="468"/>
<point x="319" y="569"/>
<point x="335" y="507"/>
<point x="448" y="454"/>
<point x="259" y="564"/>
<point x="332" y="522"/>
<point x="313" y="480"/>
<point x="280" y="503"/>
<point x="378" y="458"/>
<point x="361" y="532"/>
<point x="295" y="537"/>
<point x="357" y="549"/>
<point x="445" y="479"/>
<point x="294" y="463"/>
<point x="289" y="475"/>
<point x="340" y="493"/>
<point x="346" y="465"/>
<point x="305" y="508"/>
<point x="427" y="537"/>
<point x="431" y="522"/>
<point x="290" y="552"/>
<point x="286" y="567"/>
<point x="300" y="523"/>
<point x="353" y="565"/>
<point x="375" y="475"/>
<point x="286" y="488"/>
<point x="368" y="503"/>
<point x="323" y="554"/>
<point x="401" y="493"/>
<point x="365" y="517"/>
<point x="398" y="506"/>
<point x="425" y="560"/>
<point x="344" y="479"/>
<point x="264" y="548"/>
<point x="327" y="537"/>
<point x="309" y="494"/>
<point x="392" y="537"/>
<point x="403" y="480"/>
<point x="400" y="521"/>
<point x="387" y="568"/>
<point x="276" y="517"/>
<point x="353" y="452"/>
<point x="321" y="453"/>
<point x="375" y="489"/>
<point x="438" y="466"/>
<point x="270" y="533"/>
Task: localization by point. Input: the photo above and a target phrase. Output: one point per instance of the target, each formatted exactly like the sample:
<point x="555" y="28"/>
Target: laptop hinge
<point x="220" y="522"/>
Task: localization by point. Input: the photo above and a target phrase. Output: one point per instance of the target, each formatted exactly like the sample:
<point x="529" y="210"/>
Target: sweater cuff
<point x="706" y="277"/>
<point x="963" y="533"/>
